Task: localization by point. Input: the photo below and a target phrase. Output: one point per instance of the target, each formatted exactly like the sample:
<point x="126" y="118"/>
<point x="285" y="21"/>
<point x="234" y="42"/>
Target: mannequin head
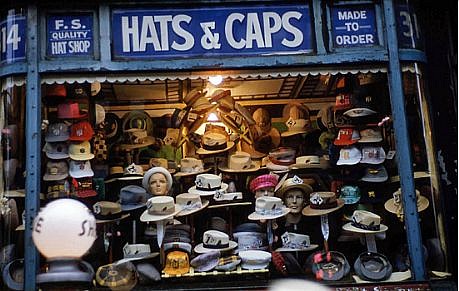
<point x="157" y="181"/>
<point x="295" y="200"/>
<point x="262" y="120"/>
<point x="266" y="191"/>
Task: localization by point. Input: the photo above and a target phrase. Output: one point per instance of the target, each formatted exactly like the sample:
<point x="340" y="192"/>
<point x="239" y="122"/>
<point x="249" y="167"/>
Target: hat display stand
<point x="325" y="230"/>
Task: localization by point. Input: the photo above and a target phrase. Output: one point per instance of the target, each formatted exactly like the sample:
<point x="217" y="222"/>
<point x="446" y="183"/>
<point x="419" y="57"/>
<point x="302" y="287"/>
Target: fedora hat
<point x="162" y="162"/>
<point x="310" y="162"/>
<point x="137" y="119"/>
<point x="130" y="172"/>
<point x="321" y="203"/>
<point x="108" y="211"/>
<point x="297" y="120"/>
<point x="365" y="222"/>
<point x="294" y="183"/>
<point x="208" y="184"/>
<point x="160" y="208"/>
<point x="395" y="204"/>
<point x="135" y="138"/>
<point x="240" y="162"/>
<point x="372" y="266"/>
<point x="268" y="208"/>
<point x="295" y="242"/>
<point x="112" y="127"/>
<point x="190" y="166"/>
<point x="214" y="240"/>
<point x="70" y="110"/>
<point x="214" y="140"/>
<point x="132" y="197"/>
<point x="135" y="252"/>
<point x="190" y="203"/>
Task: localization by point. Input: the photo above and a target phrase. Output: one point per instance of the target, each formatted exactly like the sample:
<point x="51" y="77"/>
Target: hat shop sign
<point x="144" y="33"/>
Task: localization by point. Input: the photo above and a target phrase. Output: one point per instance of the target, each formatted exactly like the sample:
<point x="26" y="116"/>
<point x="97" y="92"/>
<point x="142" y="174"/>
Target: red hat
<point x="69" y="110"/>
<point x="347" y="136"/>
<point x="263" y="181"/>
<point x="81" y="131"/>
<point x="343" y="101"/>
<point x="55" y="90"/>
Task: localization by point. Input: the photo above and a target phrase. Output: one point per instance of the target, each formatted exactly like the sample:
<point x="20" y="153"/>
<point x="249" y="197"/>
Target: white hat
<point x="134" y="252"/>
<point x="214" y="240"/>
<point x="190" y="166"/>
<point x="190" y="203"/>
<point x="208" y="184"/>
<point x="160" y="208"/>
<point x="365" y="222"/>
<point x="240" y="162"/>
<point x="80" y="169"/>
<point x="254" y="259"/>
<point x="373" y="155"/>
<point x="349" y="156"/>
<point x="268" y="208"/>
<point x="100" y="114"/>
<point x="295" y="242"/>
<point x="370" y="135"/>
<point x="310" y="162"/>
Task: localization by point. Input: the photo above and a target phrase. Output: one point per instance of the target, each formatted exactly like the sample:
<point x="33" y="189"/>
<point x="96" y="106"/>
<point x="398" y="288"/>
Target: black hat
<point x="372" y="266"/>
<point x="328" y="266"/>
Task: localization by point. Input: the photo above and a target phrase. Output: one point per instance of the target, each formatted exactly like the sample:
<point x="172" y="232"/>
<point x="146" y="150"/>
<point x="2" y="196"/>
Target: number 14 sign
<point x="12" y="39"/>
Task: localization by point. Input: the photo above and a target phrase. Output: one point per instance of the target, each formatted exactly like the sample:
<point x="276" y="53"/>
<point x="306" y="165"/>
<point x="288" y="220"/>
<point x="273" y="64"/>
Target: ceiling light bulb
<point x="216" y="80"/>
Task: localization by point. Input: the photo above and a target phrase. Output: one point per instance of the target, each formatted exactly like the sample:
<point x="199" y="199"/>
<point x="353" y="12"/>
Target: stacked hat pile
<point x="68" y="150"/>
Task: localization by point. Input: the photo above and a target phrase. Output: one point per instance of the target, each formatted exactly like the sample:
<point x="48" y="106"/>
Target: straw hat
<point x="322" y="203"/>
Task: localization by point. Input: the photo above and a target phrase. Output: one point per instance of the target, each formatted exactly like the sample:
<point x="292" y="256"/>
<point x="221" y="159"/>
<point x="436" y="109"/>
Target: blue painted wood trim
<point x="12" y="69"/>
<point x="402" y="140"/>
<point x="412" y="55"/>
<point x="104" y="34"/>
<point x="33" y="143"/>
<point x="318" y="24"/>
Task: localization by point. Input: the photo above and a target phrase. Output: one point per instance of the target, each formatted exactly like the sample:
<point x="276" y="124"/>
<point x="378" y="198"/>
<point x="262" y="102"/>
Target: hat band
<point x="208" y="188"/>
<point x="327" y="205"/>
<point x="214" y="147"/>
<point x="282" y="162"/>
<point x="161" y="212"/>
<point x="217" y="246"/>
<point x="265" y="212"/>
<point x="192" y="206"/>
<point x="131" y="202"/>
<point x="109" y="216"/>
<point x="364" y="226"/>
<point x="296" y="245"/>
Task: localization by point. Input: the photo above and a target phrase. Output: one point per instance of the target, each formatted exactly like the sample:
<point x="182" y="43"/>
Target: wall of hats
<point x="242" y="180"/>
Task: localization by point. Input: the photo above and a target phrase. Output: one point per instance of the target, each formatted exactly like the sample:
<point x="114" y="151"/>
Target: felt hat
<point x="160" y="208"/>
<point x="214" y="240"/>
<point x="107" y="211"/>
<point x="321" y="203"/>
<point x="295" y="242"/>
<point x="135" y="252"/>
<point x="190" y="166"/>
<point x="372" y="266"/>
<point x="255" y="259"/>
<point x="208" y="184"/>
<point x="154" y="170"/>
<point x="190" y="203"/>
<point x="240" y="162"/>
<point x="395" y="204"/>
<point x="268" y="208"/>
<point x="70" y="110"/>
<point x="294" y="183"/>
<point x="365" y="222"/>
<point x="132" y="197"/>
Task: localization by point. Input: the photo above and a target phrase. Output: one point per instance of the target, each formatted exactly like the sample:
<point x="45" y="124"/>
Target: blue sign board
<point x="13" y="39"/>
<point x="70" y="35"/>
<point x="260" y="30"/>
<point x="354" y="26"/>
<point x="408" y="33"/>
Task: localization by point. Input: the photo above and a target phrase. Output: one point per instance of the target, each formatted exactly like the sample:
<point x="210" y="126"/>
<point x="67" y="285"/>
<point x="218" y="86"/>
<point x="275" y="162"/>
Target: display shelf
<point x="238" y="271"/>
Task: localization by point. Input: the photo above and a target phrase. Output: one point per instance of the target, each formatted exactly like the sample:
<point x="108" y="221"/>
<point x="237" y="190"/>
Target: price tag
<point x="390" y="155"/>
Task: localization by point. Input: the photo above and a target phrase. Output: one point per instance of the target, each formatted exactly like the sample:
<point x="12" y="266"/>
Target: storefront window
<point x="264" y="176"/>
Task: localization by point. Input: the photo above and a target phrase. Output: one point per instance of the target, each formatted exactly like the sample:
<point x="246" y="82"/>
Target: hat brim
<point x="84" y="157"/>
<point x="370" y="139"/>
<point x="345" y="142"/>
<point x="417" y="175"/>
<point x="186" y="174"/>
<point x="253" y="168"/>
<point x="112" y="220"/>
<point x="359" y="112"/>
<point x="310" y="248"/>
<point x="147" y="141"/>
<point x="293" y="132"/>
<point x="308" y="211"/>
<point x="245" y="113"/>
<point x="202" y="151"/>
<point x="256" y="216"/>
<point x="129" y="207"/>
<point x="347" y="162"/>
<point x="350" y="227"/>
<point x="81" y="174"/>
<point x="193" y="190"/>
<point x="185" y="212"/>
<point x="130" y="177"/>
<point x="145" y="257"/>
<point x="47" y="177"/>
<point x="200" y="249"/>
<point x="392" y="208"/>
<point x="372" y="161"/>
<point x="229" y="204"/>
<point x="274" y="167"/>
<point x="145" y="217"/>
<point x="57" y="138"/>
<point x="57" y="156"/>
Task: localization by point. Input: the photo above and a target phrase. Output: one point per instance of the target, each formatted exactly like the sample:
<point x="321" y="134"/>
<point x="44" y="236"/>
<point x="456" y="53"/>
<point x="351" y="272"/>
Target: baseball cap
<point x="81" y="131"/>
<point x="80" y="169"/>
<point x="82" y="187"/>
<point x="56" y="170"/>
<point x="349" y="156"/>
<point x="56" y="150"/>
<point x="80" y="151"/>
<point x="349" y="194"/>
<point x="375" y="174"/>
<point x="57" y="132"/>
<point x="58" y="189"/>
<point x="373" y="155"/>
<point x="343" y="101"/>
<point x="347" y="136"/>
<point x="363" y="105"/>
<point x="370" y="135"/>
<point x="117" y="276"/>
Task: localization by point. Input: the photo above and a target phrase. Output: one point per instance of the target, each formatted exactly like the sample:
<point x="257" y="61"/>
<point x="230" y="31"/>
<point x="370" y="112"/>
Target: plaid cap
<point x="58" y="189"/>
<point x="228" y="263"/>
<point x="263" y="181"/>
